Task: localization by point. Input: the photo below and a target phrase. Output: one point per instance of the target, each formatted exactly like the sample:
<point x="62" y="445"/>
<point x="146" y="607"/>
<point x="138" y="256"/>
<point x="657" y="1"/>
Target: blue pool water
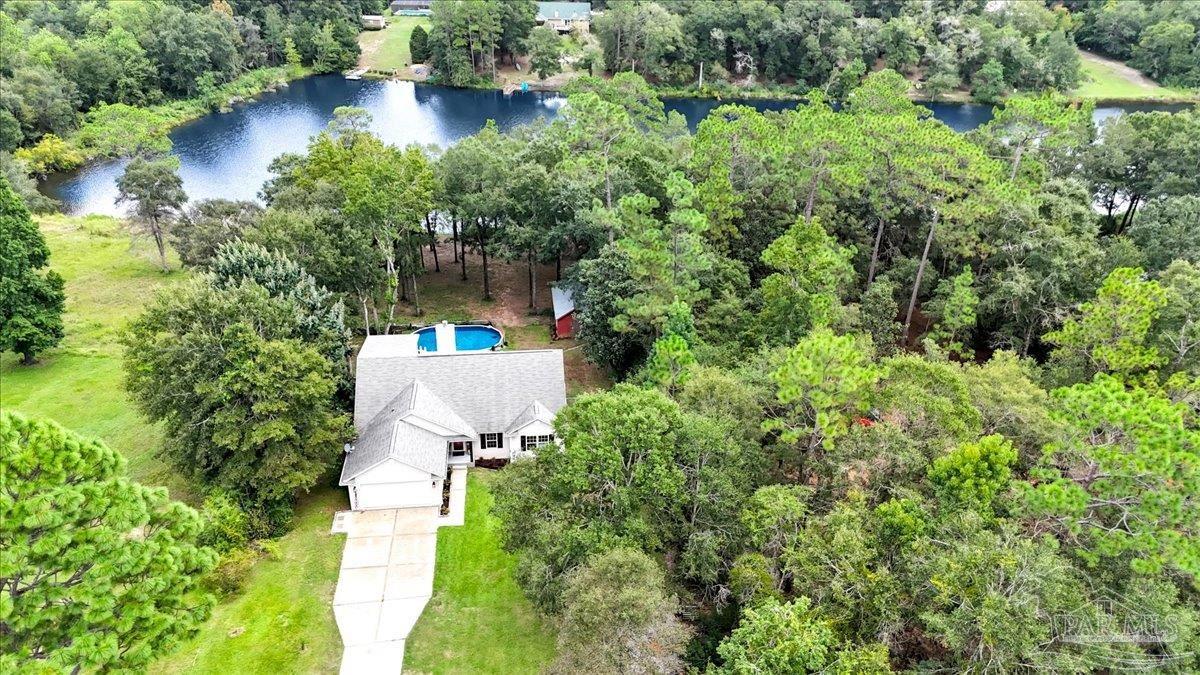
<point x="466" y="338"/>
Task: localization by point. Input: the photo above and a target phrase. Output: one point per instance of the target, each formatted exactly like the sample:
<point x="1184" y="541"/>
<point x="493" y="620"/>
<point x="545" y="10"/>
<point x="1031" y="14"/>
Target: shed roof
<point x="564" y="301"/>
<point x="566" y="11"/>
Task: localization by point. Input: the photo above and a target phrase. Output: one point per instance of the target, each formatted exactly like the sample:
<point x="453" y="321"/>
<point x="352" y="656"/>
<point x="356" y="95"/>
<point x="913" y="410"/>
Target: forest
<point x="1158" y="38"/>
<point x="942" y="47"/>
<point x="893" y="398"/>
<point x="84" y="80"/>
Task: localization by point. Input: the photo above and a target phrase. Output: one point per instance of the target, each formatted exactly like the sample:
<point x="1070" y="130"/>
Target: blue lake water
<point x="227" y="154"/>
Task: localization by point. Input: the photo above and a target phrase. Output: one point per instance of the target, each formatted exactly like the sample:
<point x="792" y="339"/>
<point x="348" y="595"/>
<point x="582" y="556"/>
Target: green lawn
<point x="78" y="384"/>
<point x="478" y="620"/>
<point x="1105" y="79"/>
<point x="282" y="621"/>
<point x="387" y="49"/>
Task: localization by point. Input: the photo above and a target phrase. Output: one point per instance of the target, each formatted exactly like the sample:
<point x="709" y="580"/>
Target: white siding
<point x="396" y="495"/>
<point x="391" y="471"/>
<point x="512" y="442"/>
<point x="492" y="453"/>
<point x="393" y="485"/>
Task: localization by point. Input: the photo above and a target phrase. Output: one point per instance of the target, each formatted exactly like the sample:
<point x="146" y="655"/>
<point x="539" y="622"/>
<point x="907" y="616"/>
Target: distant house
<point x="419" y="412"/>
<point x="410" y="7"/>
<point x="565" y="16"/>
<point x="564" y="312"/>
<point x="373" y="22"/>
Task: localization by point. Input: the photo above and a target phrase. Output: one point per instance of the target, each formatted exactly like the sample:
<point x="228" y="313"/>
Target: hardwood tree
<point x="545" y="51"/>
<point x="247" y="400"/>
<point x="153" y="186"/>
<point x="619" y="617"/>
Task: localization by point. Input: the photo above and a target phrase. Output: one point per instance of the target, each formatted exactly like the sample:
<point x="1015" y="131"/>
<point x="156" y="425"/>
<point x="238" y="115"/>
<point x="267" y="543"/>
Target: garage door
<point x="396" y="495"/>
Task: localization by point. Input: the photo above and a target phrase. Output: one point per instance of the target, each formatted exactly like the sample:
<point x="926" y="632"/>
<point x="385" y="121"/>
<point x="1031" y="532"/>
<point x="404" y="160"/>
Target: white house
<point x="418" y="413"/>
<point x="564" y="16"/>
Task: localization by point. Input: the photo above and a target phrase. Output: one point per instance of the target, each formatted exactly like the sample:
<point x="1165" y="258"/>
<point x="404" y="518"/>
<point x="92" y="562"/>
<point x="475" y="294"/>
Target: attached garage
<point x="394" y="485"/>
<point x="400" y="460"/>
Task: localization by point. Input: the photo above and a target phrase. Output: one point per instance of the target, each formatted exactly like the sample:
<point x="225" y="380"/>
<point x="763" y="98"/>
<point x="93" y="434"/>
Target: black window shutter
<point x="500" y="440"/>
<point x="483" y="440"/>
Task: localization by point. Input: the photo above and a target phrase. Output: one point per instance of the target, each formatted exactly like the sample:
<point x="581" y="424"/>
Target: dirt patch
<point x="445" y="296"/>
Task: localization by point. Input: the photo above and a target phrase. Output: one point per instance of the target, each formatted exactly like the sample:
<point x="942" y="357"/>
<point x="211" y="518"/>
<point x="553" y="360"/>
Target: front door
<point x="461" y="451"/>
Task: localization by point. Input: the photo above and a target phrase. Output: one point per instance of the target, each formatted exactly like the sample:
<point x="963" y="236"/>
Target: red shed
<point x="564" y="312"/>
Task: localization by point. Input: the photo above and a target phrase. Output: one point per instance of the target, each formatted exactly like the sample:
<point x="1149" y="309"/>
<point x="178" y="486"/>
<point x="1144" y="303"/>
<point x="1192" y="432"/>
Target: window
<point x="534" y="442"/>
<point x="460" y="448"/>
<point x="491" y="441"/>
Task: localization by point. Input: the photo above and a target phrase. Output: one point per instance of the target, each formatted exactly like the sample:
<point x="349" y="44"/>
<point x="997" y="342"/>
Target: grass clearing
<point x="283" y="616"/>
<point x="1106" y="79"/>
<point x="478" y="620"/>
<point x="79" y="384"/>
<point x="387" y="49"/>
<point x="282" y="621"/>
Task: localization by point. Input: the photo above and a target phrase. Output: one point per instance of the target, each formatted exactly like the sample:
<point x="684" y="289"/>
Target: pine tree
<point x="100" y="574"/>
<point x="31" y="302"/>
<point x="418" y="45"/>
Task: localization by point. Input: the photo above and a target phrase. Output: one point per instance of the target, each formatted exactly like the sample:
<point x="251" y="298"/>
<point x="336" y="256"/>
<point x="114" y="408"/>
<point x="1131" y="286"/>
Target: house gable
<point x="391" y="471"/>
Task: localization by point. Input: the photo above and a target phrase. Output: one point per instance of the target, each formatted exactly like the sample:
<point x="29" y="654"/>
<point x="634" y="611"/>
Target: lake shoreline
<point x="244" y="89"/>
<point x="228" y="155"/>
<point x="769" y="95"/>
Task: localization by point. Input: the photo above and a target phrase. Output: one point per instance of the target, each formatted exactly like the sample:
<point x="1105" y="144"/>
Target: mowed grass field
<point x="109" y="278"/>
<point x="387" y="49"/>
<point x="1106" y="79"/>
<point x="478" y="620"/>
<point x="281" y="622"/>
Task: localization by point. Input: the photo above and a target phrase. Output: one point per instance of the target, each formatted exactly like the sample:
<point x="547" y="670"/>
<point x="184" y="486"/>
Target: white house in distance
<point x="564" y="16"/>
<point x="443" y="397"/>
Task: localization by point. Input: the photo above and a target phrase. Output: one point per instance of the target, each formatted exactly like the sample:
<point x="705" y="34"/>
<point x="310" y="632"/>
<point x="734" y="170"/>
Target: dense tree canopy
<point x="100" y="573"/>
<point x="822" y="440"/>
<point x="243" y="366"/>
<point x="1158" y="38"/>
<point x="65" y="57"/>
<point x="827" y="45"/>
<point x="31" y="300"/>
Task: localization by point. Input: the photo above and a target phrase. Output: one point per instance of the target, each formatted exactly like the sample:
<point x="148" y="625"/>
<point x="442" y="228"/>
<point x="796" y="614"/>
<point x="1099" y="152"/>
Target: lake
<point x="227" y="154"/>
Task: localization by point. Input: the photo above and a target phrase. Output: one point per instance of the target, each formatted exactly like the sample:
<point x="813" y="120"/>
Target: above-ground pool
<point x="466" y="338"/>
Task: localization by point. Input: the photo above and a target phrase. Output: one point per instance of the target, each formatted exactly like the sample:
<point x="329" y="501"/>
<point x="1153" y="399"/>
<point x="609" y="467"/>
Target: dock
<point x="355" y="74"/>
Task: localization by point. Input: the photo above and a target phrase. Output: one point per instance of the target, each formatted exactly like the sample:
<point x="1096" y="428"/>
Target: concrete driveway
<point x="387" y="578"/>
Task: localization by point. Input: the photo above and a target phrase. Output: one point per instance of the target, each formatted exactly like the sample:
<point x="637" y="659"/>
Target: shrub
<point x="226" y="524"/>
<point x="230" y="574"/>
<point x="50" y="154"/>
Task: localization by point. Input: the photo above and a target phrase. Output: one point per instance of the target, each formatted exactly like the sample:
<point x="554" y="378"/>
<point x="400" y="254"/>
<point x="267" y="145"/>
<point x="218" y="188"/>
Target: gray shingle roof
<point x="535" y="411"/>
<point x="487" y="390"/>
<point x="390" y="437"/>
<point x="417" y="399"/>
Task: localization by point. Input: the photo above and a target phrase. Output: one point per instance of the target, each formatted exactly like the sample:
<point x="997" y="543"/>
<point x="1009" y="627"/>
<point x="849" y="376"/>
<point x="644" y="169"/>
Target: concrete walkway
<point x="387" y="578"/>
